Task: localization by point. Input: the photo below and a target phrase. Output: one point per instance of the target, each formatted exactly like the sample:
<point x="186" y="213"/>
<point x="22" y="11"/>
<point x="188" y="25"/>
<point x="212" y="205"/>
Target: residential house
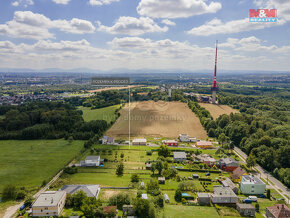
<point x="107" y="140"/>
<point x="228" y="164"/>
<point x="89" y="190"/>
<point x="223" y="195"/>
<point x="179" y="156"/>
<point x="173" y="143"/>
<point x="204" y="144"/>
<point x="203" y="198"/>
<point x="183" y="138"/>
<point x="49" y="203"/>
<point x="252" y="185"/>
<point x="278" y="211"/>
<point x="91" y="161"/>
<point x="161" y="180"/>
<point x="228" y="183"/>
<point x="246" y="209"/>
<point x="237" y="174"/>
<point x="139" y="142"/>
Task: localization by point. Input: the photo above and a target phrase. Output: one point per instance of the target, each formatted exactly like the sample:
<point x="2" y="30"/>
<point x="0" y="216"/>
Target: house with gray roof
<point x="179" y="156"/>
<point x="228" y="164"/>
<point x="91" y="161"/>
<point x="223" y="195"/>
<point x="49" y="203"/>
<point x="203" y="198"/>
<point x="89" y="190"/>
<point x="228" y="183"/>
<point x="107" y="140"/>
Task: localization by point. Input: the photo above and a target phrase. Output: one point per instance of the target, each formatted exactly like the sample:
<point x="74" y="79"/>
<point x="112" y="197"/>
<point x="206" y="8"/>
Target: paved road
<point x="274" y="183"/>
<point x="10" y="211"/>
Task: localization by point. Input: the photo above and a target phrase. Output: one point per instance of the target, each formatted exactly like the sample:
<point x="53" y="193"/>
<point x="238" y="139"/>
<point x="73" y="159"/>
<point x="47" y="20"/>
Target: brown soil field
<point x="157" y="119"/>
<point x="217" y="110"/>
<point x="113" y="88"/>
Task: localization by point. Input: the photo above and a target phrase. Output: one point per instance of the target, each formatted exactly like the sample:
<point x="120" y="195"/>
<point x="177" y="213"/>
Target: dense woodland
<point x="47" y="120"/>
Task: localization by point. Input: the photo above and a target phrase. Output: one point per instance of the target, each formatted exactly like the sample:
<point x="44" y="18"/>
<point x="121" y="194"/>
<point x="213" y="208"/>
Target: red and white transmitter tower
<point x="214" y="86"/>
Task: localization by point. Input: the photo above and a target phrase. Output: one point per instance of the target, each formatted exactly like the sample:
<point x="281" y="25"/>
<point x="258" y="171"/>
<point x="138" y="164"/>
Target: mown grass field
<point x="107" y="113"/>
<point x="173" y="211"/>
<point x="28" y="163"/>
<point x="217" y="110"/>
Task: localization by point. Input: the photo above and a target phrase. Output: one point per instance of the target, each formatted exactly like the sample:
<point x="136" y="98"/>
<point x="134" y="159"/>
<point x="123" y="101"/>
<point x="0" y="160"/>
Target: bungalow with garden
<point x="173" y="143"/>
<point x="228" y="164"/>
<point x="223" y="195"/>
<point x="237" y="174"/>
<point x="91" y="161"/>
<point x="252" y="185"/>
<point x="49" y="203"/>
<point x="107" y="140"/>
<point x="246" y="209"/>
<point x="179" y="156"/>
<point x="278" y="211"/>
<point x="128" y="210"/>
<point x="139" y="142"/>
<point x="204" y="144"/>
<point x="203" y="198"/>
<point x="89" y="190"/>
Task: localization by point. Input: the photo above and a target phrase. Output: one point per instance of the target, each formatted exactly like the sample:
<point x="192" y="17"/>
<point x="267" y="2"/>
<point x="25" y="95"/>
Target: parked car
<point x="247" y="201"/>
<point x="253" y="198"/>
<point x="207" y="174"/>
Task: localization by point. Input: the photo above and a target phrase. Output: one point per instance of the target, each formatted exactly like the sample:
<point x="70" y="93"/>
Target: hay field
<point x="157" y="119"/>
<point x="217" y="110"/>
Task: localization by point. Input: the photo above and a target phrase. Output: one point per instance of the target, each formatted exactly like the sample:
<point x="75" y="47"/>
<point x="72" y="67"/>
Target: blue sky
<point x="142" y="34"/>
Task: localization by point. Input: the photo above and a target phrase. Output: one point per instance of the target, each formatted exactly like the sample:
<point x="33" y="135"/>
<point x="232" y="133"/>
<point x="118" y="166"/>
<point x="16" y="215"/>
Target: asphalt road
<point x="273" y="182"/>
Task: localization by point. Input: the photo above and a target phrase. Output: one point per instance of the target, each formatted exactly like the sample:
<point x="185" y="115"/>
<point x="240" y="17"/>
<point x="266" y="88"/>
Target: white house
<point x="91" y="161"/>
<point x="252" y="185"/>
<point x="49" y="203"/>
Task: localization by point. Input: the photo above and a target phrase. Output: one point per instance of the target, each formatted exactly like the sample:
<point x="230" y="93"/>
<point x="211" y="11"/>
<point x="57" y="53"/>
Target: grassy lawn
<point x="173" y="211"/>
<point x="107" y="113"/>
<point x="28" y="163"/>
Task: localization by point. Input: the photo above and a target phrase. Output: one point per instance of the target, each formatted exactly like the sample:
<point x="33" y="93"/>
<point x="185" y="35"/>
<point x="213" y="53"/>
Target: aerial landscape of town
<point x="147" y="108"/>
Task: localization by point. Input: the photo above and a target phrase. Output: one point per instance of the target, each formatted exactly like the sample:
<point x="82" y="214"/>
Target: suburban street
<point x="10" y="212"/>
<point x="273" y="182"/>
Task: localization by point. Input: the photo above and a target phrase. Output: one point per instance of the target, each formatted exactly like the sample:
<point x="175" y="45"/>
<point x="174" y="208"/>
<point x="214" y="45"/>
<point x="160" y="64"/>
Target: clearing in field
<point x="159" y="119"/>
<point x="172" y="211"/>
<point x="28" y="163"/>
<point x="217" y="110"/>
<point x="107" y="113"/>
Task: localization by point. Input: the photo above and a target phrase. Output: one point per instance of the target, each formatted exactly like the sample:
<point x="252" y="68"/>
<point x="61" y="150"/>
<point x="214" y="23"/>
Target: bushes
<point x="119" y="200"/>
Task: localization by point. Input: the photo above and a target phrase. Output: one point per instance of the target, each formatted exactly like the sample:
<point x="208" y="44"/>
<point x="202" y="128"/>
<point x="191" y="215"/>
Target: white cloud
<point x="62" y="2"/>
<point x="101" y="2"/>
<point x="24" y="3"/>
<point x="168" y="22"/>
<point x="282" y="6"/>
<point x="216" y="26"/>
<point x="26" y="24"/>
<point x="176" y="8"/>
<point x="132" y="26"/>
<point x="139" y="53"/>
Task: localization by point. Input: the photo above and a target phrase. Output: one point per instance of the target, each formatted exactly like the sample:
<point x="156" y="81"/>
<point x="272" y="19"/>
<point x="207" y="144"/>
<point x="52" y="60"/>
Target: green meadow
<point x="29" y="163"/>
<point x="107" y="113"/>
